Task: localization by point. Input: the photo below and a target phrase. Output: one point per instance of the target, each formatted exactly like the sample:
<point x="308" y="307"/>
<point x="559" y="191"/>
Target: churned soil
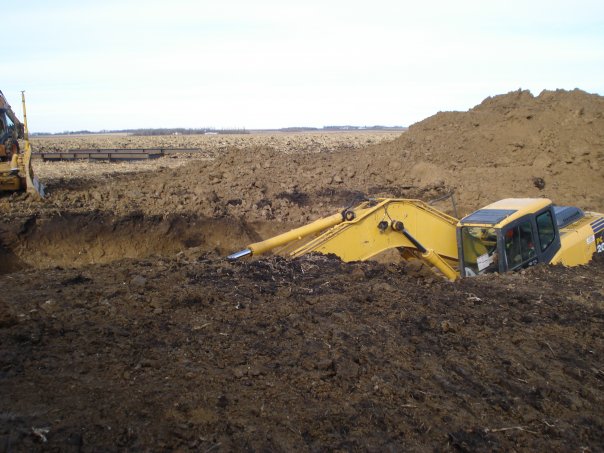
<point x="310" y="354"/>
<point x="122" y="327"/>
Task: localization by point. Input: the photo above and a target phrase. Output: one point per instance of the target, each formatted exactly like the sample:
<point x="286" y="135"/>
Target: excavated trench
<point x="74" y="240"/>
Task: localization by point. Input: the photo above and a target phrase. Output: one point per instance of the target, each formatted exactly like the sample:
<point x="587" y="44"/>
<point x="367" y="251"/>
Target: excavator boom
<point x="373" y="226"/>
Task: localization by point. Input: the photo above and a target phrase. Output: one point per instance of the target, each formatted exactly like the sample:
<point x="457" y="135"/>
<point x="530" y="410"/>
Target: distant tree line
<point x="298" y="129"/>
<point x="198" y="131"/>
<point x="157" y="131"/>
<point x="364" y="128"/>
<point x="183" y="131"/>
<point x="342" y="128"/>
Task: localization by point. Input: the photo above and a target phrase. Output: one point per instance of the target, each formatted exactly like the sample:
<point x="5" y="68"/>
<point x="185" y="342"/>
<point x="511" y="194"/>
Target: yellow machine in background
<point x="16" y="172"/>
<point x="510" y="234"/>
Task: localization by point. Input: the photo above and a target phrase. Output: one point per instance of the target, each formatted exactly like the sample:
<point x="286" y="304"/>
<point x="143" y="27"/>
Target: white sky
<point x="269" y="64"/>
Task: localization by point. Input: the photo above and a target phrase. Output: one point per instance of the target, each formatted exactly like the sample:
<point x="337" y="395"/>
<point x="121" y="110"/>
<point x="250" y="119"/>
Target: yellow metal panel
<point x="10" y="183"/>
<point x="356" y="241"/>
<point x="361" y="239"/>
<point x="293" y="235"/>
<point x="578" y="242"/>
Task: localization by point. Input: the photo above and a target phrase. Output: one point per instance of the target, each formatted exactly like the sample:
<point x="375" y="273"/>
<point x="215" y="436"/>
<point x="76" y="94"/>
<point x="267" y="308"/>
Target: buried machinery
<point x="510" y="234"/>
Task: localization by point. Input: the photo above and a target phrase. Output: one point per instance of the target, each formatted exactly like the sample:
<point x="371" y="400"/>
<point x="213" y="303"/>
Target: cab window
<point x="519" y="245"/>
<point x="545" y="228"/>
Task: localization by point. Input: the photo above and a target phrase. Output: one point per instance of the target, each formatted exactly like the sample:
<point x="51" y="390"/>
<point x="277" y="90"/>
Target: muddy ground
<point x="122" y="328"/>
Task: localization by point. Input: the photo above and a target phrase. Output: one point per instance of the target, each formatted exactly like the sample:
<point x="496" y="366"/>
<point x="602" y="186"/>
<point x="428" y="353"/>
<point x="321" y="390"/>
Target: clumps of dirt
<point x="295" y="197"/>
<point x="510" y="145"/>
<point x="194" y="353"/>
<point x="251" y="185"/>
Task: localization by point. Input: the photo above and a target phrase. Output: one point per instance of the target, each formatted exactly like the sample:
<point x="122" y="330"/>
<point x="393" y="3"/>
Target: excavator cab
<point x="494" y="239"/>
<point x="487" y="250"/>
<point x="9" y="134"/>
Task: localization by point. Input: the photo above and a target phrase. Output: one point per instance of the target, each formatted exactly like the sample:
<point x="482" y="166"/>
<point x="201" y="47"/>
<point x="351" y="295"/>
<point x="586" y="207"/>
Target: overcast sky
<point x="268" y="64"/>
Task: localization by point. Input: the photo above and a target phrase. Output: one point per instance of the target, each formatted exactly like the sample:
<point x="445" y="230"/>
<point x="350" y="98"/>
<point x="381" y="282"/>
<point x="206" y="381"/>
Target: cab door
<point x="519" y="244"/>
<point x="530" y="240"/>
<point x="548" y="235"/>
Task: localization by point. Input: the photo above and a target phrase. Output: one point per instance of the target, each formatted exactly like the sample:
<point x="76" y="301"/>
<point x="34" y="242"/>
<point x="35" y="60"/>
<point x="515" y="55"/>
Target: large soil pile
<point x="517" y="145"/>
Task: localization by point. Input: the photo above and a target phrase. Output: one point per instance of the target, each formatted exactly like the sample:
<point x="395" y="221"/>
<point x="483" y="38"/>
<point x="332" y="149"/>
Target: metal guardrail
<point x="111" y="154"/>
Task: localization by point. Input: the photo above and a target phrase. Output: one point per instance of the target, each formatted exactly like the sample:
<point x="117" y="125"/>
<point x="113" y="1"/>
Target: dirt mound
<point x="516" y="144"/>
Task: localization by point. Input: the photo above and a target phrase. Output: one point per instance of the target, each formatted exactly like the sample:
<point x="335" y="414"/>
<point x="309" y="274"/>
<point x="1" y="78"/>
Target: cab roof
<point x="505" y="211"/>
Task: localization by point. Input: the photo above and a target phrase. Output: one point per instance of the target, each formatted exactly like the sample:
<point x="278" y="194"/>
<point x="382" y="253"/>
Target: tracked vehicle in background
<point x="16" y="173"/>
<point x="508" y="235"/>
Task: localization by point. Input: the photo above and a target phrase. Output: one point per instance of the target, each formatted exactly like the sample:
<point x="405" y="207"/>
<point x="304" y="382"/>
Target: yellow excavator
<point x="16" y="173"/>
<point x="507" y="235"/>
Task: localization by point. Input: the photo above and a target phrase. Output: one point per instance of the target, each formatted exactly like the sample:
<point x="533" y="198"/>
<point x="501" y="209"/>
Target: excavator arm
<point x="16" y="172"/>
<point x="18" y="125"/>
<point x="413" y="227"/>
